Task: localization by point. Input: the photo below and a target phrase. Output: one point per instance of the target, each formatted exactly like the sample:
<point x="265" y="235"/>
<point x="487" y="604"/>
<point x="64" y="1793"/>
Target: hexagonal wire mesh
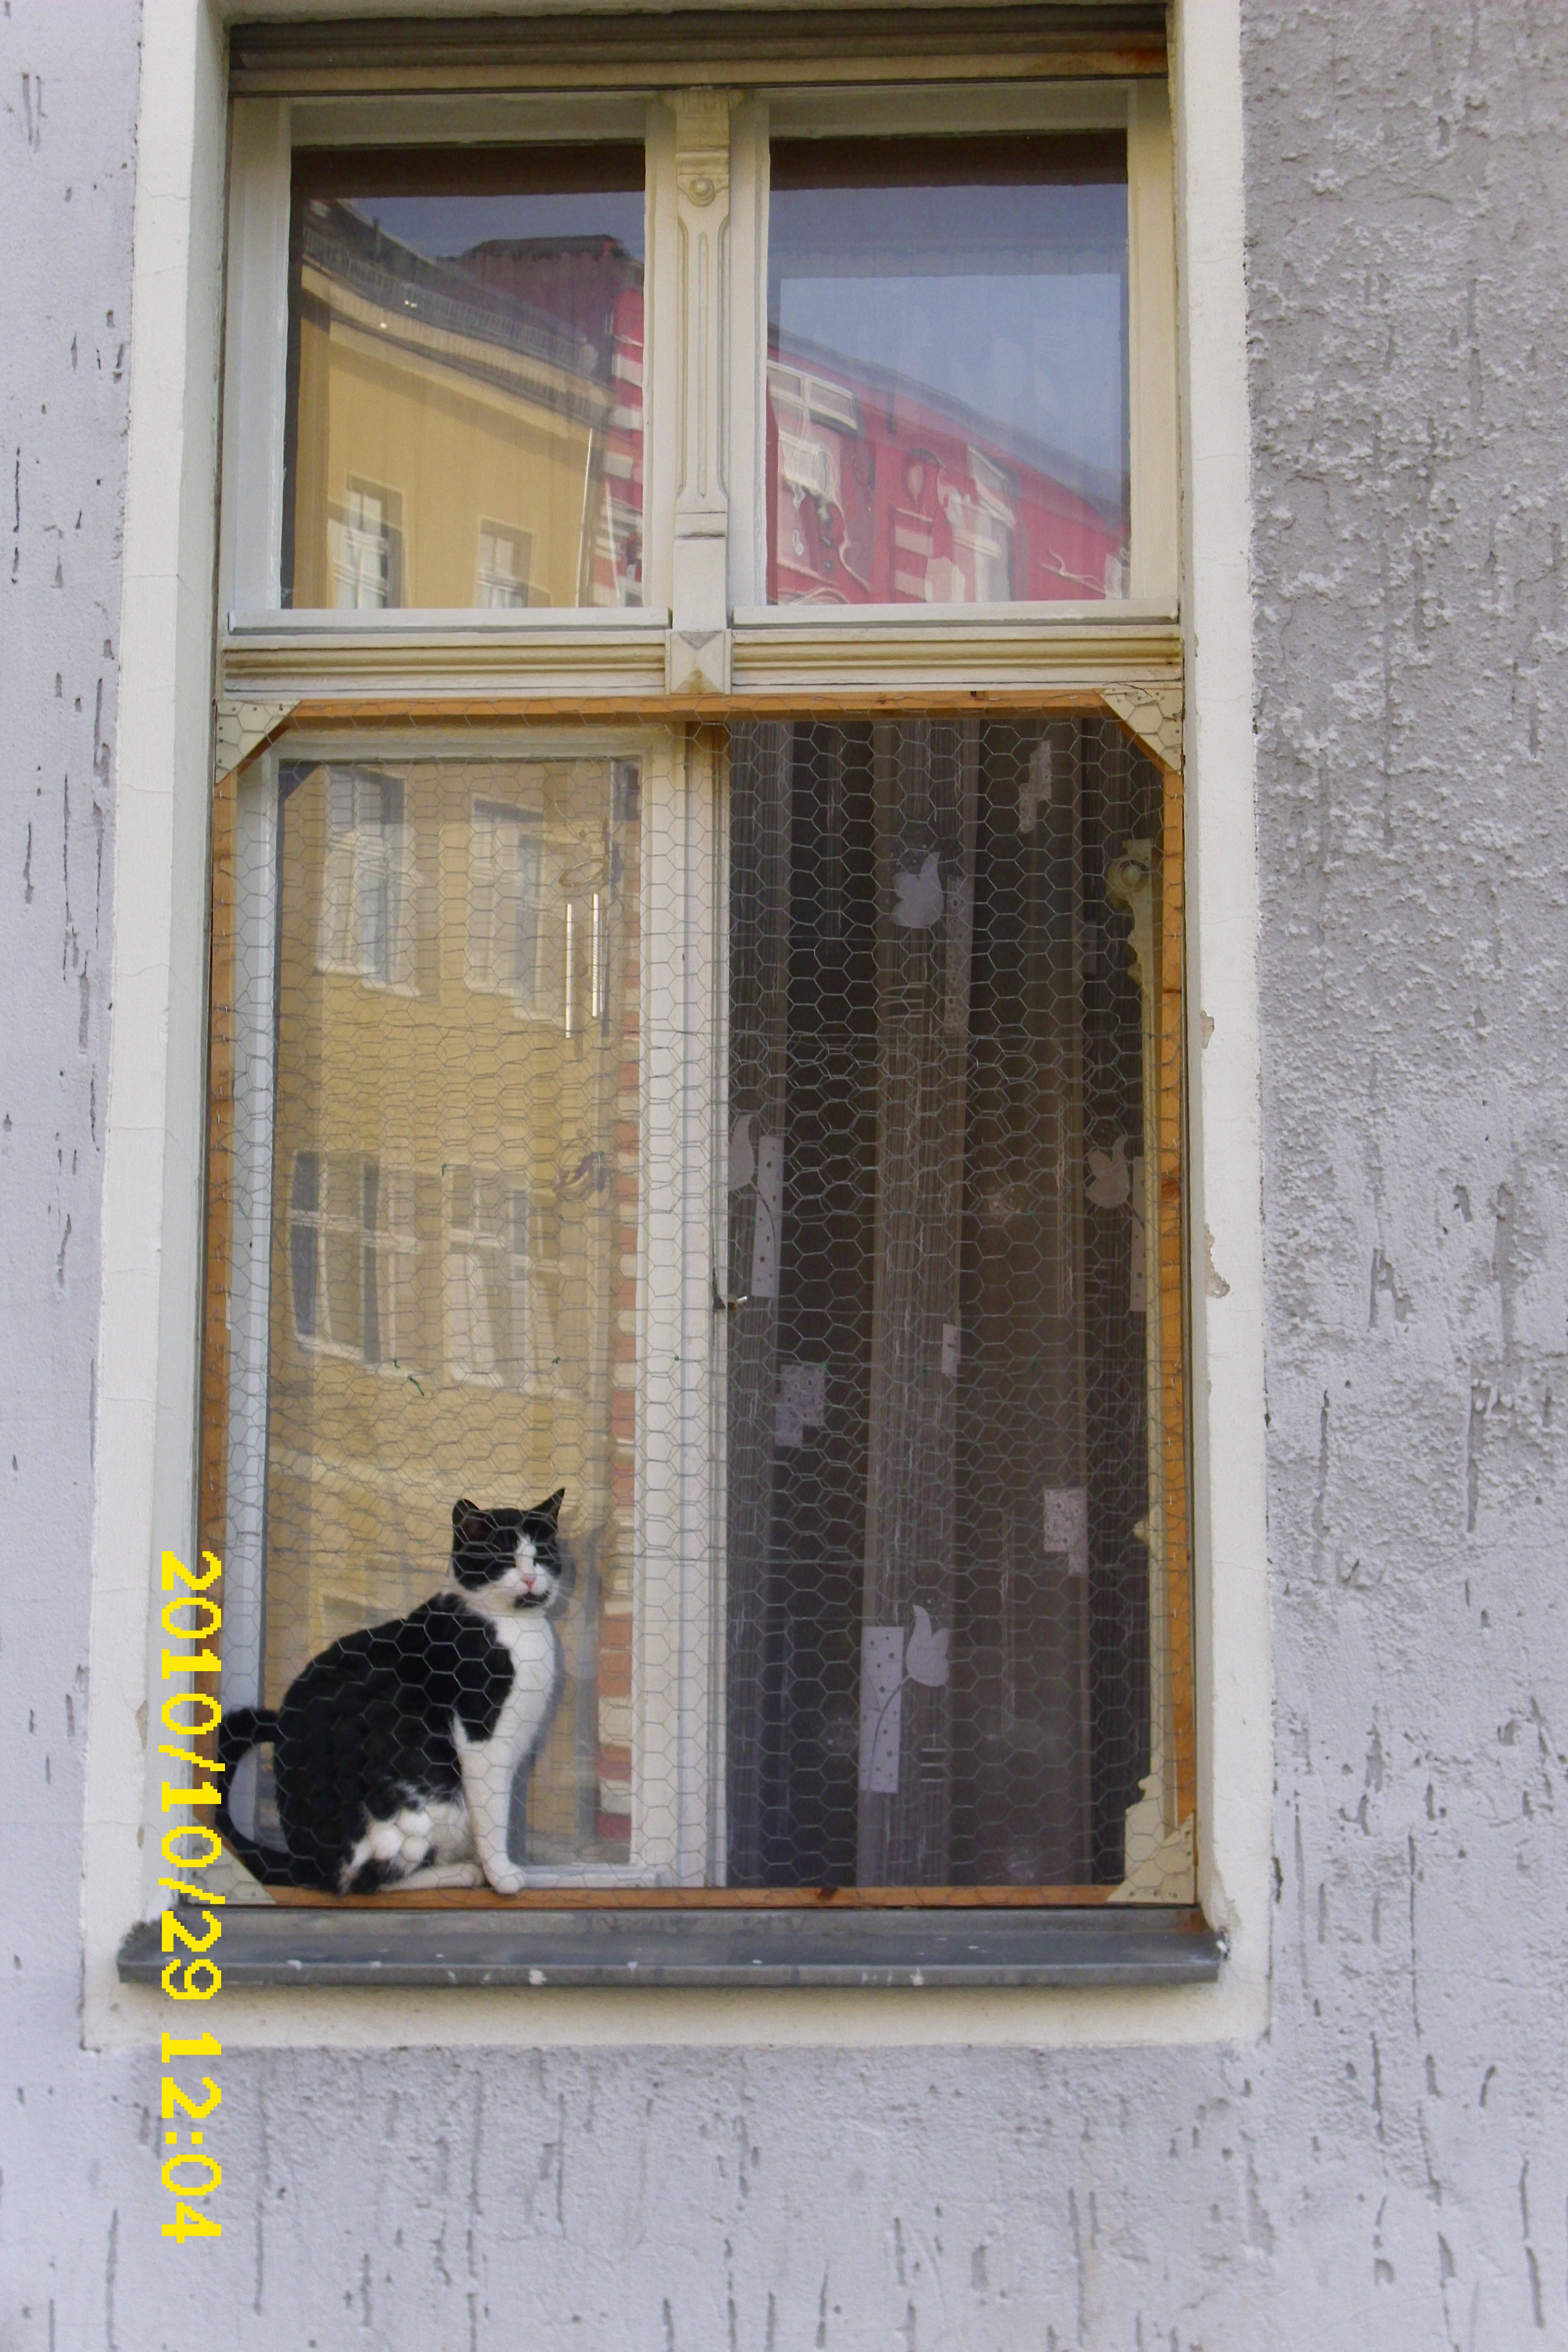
<point x="924" y="1625"/>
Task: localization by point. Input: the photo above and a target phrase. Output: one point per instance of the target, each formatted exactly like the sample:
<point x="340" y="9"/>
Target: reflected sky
<point x="441" y="227"/>
<point x="1009" y="301"/>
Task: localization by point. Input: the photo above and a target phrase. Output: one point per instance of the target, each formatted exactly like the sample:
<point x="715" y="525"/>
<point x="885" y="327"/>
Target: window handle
<point x="724" y="1304"/>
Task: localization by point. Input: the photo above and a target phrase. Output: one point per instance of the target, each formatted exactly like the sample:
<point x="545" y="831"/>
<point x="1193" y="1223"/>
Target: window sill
<point x="876" y="1950"/>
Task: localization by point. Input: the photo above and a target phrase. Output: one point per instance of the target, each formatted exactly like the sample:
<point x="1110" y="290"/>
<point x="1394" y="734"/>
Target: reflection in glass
<point x="465" y="343"/>
<point x="454" y="1217"/>
<point x="947" y="371"/>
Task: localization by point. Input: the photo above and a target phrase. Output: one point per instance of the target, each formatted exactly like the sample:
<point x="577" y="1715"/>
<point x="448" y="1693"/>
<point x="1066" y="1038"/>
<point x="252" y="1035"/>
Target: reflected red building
<point x="877" y="494"/>
<point x="878" y="498"/>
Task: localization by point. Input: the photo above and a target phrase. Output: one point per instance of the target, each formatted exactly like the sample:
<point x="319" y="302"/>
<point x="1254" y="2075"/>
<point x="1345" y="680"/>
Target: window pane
<point x="454" y="1178"/>
<point x="947" y="371"/>
<point x="943" y="1538"/>
<point x="465" y="421"/>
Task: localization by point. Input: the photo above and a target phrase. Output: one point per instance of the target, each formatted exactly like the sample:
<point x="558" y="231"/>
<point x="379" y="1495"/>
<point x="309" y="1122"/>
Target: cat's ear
<point x="550" y="1510"/>
<point x="467" y="1520"/>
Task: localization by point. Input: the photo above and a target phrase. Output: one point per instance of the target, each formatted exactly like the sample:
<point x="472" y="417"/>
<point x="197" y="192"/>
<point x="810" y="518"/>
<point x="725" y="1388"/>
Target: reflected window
<point x="506" y="870"/>
<point x="367" y="894"/>
<point x="465" y="347"/>
<point x="499" y="1287"/>
<point x="506" y="567"/>
<point x="947" y="371"/>
<point x="352" y="1255"/>
<point x="366" y="549"/>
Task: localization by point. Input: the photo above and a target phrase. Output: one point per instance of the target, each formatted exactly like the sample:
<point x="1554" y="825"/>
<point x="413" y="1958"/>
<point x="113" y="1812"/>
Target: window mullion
<point x="699" y="640"/>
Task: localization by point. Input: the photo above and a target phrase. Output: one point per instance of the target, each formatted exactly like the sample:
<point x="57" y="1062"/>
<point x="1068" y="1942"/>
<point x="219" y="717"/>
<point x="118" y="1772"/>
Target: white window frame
<point x="152" y="1187"/>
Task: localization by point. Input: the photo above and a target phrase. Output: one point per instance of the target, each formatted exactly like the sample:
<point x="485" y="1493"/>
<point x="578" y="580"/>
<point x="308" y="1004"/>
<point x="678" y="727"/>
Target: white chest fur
<point x="490" y="1765"/>
<point x="532" y="1645"/>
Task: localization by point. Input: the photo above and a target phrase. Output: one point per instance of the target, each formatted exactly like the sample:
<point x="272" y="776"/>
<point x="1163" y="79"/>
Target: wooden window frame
<point x="705" y="652"/>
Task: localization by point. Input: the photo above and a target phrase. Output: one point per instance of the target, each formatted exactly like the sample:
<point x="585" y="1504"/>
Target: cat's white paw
<point x="506" y="1878"/>
<point x="443" y="1875"/>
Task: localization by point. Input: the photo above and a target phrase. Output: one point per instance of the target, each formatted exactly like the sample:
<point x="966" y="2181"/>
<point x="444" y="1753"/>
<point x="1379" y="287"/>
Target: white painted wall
<point x="1385" y="2164"/>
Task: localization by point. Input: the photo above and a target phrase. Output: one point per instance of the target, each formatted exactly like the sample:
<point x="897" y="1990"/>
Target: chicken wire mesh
<point x="693" y="1367"/>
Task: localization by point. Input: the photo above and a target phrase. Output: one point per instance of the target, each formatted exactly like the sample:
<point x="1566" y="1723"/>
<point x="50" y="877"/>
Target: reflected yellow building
<point x="454" y="1212"/>
<point x="465" y="431"/>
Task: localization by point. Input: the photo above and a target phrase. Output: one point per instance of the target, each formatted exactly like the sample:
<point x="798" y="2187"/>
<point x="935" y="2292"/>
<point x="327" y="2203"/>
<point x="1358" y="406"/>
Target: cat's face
<point x="507" y="1560"/>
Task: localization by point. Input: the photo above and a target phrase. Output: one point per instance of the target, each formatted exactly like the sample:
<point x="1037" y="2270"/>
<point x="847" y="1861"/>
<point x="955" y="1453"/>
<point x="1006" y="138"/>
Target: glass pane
<point x="455" y="1181"/>
<point x="466" y="347"/>
<point x="947" y="371"/>
<point x="942" y="1524"/>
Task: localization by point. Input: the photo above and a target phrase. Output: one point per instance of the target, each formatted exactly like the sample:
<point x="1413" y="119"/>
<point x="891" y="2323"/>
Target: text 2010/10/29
<point x="190" y="1847"/>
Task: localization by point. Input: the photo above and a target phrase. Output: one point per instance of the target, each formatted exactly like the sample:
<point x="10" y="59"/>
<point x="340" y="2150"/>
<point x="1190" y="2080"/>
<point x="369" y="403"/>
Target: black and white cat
<point x="395" y="1750"/>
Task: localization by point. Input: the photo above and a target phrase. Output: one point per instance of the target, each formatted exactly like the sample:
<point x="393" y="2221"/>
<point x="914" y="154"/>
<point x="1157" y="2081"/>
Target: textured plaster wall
<point x="1388" y="2166"/>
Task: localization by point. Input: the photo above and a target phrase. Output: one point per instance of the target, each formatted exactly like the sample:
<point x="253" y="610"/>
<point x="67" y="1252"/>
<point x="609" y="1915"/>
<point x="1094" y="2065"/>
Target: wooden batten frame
<point x="1156" y="730"/>
<point x="212" y="1483"/>
<point x="454" y="715"/>
<point x="448" y="714"/>
<point x="1170" y="925"/>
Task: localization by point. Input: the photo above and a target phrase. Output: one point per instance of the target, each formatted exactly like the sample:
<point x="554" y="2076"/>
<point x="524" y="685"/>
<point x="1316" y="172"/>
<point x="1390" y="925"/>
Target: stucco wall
<point x="1388" y="2166"/>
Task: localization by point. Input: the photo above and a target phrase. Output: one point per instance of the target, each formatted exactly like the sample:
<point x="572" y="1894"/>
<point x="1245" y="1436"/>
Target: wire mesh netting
<point x="578" y="1532"/>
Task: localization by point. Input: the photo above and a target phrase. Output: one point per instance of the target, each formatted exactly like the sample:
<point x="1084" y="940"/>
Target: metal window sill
<point x="714" y="1951"/>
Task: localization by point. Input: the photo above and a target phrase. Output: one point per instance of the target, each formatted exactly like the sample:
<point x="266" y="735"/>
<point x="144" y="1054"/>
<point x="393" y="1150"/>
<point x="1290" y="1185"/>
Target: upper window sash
<point x="1139" y="109"/>
<point x="705" y="466"/>
<point x="269" y="137"/>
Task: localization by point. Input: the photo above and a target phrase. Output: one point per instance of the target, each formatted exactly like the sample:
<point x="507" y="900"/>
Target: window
<point x="941" y="1516"/>
<point x="500" y="1285"/>
<point x="352" y="1257"/>
<point x="506" y="567"/>
<point x="699" y="1019"/>
<point x="364" y="548"/>
<point x="368" y="882"/>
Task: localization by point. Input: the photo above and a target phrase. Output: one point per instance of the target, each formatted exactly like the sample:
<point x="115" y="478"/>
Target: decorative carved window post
<point x="699" y="639"/>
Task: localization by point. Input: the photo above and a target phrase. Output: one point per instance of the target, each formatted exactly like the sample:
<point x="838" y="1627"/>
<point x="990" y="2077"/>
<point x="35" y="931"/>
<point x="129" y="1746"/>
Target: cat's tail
<point x="237" y="1734"/>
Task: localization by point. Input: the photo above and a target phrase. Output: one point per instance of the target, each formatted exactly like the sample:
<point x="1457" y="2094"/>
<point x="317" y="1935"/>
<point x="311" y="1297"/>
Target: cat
<point x="395" y="1751"/>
